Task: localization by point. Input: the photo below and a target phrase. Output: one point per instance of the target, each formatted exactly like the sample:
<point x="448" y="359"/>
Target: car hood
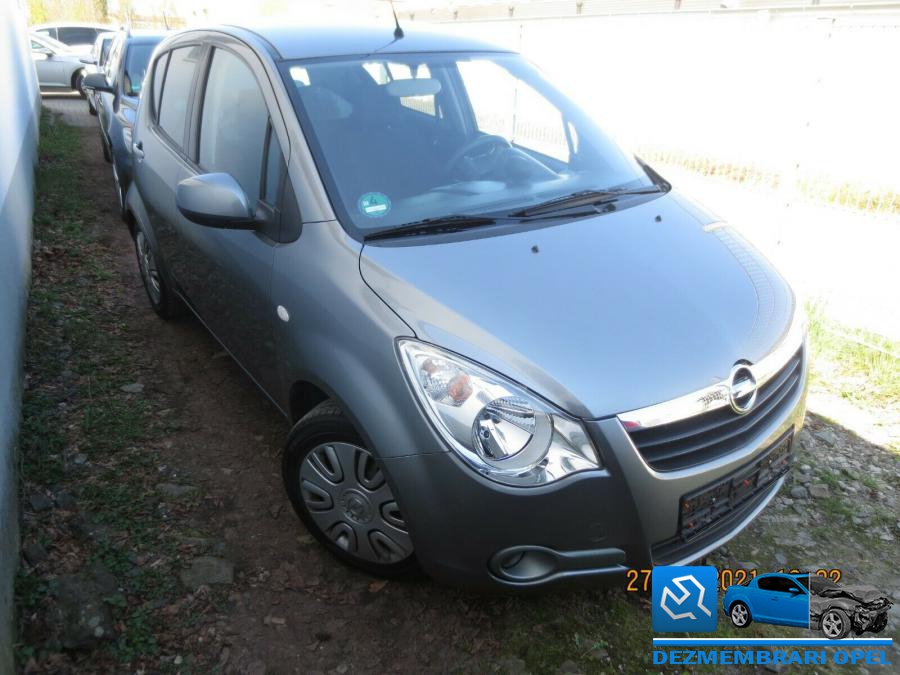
<point x="599" y="315"/>
<point x="859" y="592"/>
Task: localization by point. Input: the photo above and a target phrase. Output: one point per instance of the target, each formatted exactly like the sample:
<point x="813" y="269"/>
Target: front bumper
<point x="591" y="526"/>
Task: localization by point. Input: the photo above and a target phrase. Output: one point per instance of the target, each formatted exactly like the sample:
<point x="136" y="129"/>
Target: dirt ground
<point x="261" y="596"/>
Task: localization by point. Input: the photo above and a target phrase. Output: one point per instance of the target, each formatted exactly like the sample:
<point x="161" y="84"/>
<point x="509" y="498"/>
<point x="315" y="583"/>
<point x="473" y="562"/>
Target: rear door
<point x="765" y="600"/>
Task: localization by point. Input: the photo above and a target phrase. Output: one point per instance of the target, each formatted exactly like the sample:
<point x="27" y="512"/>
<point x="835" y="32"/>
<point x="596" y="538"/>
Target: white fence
<point x="802" y="101"/>
<point x="19" y="108"/>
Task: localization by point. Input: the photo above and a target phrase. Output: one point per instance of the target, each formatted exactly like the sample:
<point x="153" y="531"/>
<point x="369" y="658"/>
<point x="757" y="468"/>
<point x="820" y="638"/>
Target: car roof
<point x="71" y="24"/>
<point x="304" y="42"/>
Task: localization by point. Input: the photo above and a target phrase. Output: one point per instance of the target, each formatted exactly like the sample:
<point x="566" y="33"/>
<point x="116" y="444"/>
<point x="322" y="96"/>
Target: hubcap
<point x="832" y="625"/>
<point x="739" y="615"/>
<point x="350" y="501"/>
<point x="147" y="263"/>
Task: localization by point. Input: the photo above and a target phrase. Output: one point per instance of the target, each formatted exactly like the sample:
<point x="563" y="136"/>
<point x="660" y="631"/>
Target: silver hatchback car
<point x="512" y="354"/>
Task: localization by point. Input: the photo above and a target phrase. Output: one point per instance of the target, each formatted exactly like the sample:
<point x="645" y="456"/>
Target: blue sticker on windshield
<point x="374" y="204"/>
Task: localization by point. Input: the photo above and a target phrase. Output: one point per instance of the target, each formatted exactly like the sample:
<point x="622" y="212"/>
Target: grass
<point x="855" y="364"/>
<point x="78" y="356"/>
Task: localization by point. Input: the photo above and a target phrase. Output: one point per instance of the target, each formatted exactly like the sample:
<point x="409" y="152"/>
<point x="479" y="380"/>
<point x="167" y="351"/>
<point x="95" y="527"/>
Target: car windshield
<point x="818" y="583"/>
<point x="136" y="61"/>
<point x="55" y="45"/>
<point x="402" y="138"/>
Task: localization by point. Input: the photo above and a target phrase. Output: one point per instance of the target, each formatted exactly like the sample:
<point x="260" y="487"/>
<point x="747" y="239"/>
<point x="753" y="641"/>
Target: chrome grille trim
<point x="716" y="396"/>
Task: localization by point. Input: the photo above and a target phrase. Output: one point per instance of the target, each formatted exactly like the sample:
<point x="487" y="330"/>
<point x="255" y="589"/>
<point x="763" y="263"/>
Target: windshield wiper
<point x="438" y="225"/>
<point x="581" y="198"/>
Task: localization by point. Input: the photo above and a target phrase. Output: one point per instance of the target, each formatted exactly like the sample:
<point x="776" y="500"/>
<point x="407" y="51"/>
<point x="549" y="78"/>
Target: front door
<point x="225" y="273"/>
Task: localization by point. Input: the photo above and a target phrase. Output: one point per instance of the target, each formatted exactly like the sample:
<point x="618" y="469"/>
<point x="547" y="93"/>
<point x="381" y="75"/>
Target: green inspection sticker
<point x="374" y="204"/>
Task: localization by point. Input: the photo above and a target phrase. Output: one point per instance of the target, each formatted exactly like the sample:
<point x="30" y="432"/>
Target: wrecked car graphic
<point x="836" y="609"/>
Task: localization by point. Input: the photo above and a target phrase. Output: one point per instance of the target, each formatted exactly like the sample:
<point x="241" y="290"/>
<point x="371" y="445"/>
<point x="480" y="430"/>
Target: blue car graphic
<point x="781" y="599"/>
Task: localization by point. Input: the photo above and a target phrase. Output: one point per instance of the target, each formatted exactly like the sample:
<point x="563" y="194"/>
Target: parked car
<point x="57" y="66"/>
<point x="116" y="92"/>
<point x="78" y="36"/>
<point x="511" y="352"/>
<point x="781" y="599"/>
<point x="97" y="63"/>
<point x="836" y="610"/>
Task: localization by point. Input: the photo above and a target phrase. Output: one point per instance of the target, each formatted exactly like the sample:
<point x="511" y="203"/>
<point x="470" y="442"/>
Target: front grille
<point x="710" y="513"/>
<point x="702" y="438"/>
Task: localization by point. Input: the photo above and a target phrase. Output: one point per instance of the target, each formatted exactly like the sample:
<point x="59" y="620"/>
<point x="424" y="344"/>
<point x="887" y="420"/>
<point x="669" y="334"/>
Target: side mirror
<point x="88" y="60"/>
<point x="215" y="200"/>
<point x="45" y="52"/>
<point x="97" y="82"/>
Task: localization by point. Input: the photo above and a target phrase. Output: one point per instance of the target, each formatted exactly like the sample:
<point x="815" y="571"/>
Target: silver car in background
<point x="511" y="352"/>
<point x="79" y="37"/>
<point x="58" y="67"/>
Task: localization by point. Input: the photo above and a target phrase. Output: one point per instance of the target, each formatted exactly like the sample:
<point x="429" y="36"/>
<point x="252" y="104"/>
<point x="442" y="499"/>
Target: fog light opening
<point x="528" y="564"/>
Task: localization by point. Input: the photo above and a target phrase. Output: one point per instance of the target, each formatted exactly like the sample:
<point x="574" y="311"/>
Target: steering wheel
<point x="489" y="146"/>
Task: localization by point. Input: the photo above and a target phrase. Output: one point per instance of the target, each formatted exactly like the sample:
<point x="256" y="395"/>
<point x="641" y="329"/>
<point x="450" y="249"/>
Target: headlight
<point x="493" y="424"/>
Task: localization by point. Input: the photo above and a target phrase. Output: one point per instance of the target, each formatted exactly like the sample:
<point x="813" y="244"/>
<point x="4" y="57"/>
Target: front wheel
<point x="339" y="491"/>
<point x="740" y="615"/>
<point x="78" y="84"/>
<point x="835" y="624"/>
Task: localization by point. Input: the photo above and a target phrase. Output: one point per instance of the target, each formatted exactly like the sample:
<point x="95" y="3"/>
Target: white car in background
<point x="78" y="36"/>
<point x="58" y="67"/>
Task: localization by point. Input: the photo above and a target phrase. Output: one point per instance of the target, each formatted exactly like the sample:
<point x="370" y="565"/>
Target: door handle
<point x="138" y="150"/>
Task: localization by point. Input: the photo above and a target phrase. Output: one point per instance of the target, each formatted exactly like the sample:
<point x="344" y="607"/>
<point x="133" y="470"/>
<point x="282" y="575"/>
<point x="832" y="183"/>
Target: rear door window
<point x="176" y="91"/>
<point x="233" y="122"/>
<point x="159" y="76"/>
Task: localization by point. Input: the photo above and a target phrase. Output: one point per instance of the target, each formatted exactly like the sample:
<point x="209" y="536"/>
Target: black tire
<point x="880" y="623"/>
<point x="106" y="154"/>
<point x="835" y="624"/>
<point x="736" y="613"/>
<point x="163" y="301"/>
<point x="324" y="425"/>
<point x="78" y="84"/>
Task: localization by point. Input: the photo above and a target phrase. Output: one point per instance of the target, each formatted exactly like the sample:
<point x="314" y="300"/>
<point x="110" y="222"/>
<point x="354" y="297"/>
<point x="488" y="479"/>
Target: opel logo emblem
<point x="741" y="389"/>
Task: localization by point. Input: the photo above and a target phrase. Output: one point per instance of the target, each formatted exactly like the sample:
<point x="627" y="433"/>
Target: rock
<point x="65" y="500"/>
<point x="40" y="502"/>
<point x="175" y="491"/>
<point x="774" y="667"/>
<point x="819" y="491"/>
<point x="568" y="667"/>
<point x="34" y="553"/>
<point x="511" y="666"/>
<point x="256" y="668"/>
<point x="80" y="619"/>
<point x="80" y="458"/>
<point x="208" y="570"/>
<point x="342" y="668"/>
<point x="133" y="388"/>
<point x="780" y="558"/>
<point x="806" y="468"/>
<point x="827" y="436"/>
<point x="799" y="492"/>
<point x="804" y="478"/>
